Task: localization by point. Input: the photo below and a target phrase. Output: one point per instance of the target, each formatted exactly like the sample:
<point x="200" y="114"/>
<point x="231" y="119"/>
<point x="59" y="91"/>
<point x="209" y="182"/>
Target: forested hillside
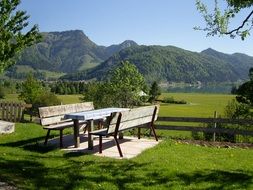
<point x="174" y="64"/>
<point x="74" y="54"/>
<point x="68" y="51"/>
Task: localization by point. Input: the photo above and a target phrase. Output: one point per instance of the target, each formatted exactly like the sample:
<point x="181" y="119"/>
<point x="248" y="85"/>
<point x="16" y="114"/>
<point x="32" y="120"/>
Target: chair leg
<point x="47" y="136"/>
<point x="139" y="132"/>
<point x="100" y="144"/>
<point x="61" y="134"/>
<point x="153" y="130"/>
<point x="119" y="149"/>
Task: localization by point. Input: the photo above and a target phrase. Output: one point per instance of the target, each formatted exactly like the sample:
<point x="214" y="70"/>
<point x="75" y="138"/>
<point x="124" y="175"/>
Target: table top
<point x="94" y="114"/>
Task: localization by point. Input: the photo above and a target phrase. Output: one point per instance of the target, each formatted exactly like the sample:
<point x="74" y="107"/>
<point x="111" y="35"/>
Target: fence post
<point x="215" y="125"/>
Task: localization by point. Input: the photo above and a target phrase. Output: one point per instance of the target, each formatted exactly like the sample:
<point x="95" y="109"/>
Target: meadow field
<point x="25" y="163"/>
<point x="198" y="105"/>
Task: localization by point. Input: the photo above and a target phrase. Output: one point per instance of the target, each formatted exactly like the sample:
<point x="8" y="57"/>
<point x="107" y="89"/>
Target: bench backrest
<point x="12" y="111"/>
<point x="132" y="118"/>
<point x="55" y="114"/>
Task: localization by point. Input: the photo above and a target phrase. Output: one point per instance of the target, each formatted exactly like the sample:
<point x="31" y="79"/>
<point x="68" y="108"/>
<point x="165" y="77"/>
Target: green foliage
<point x="171" y="100"/>
<point x="245" y="91"/>
<point x="126" y="83"/>
<point x="154" y="92"/>
<point x="219" y="22"/>
<point x="121" y="89"/>
<point x="66" y="87"/>
<point x="46" y="99"/>
<point x="237" y="110"/>
<point x="12" y="37"/>
<point x="68" y="51"/>
<point x="2" y="94"/>
<point x="30" y="89"/>
<point x="157" y="63"/>
<point x="100" y="94"/>
<point x="33" y="92"/>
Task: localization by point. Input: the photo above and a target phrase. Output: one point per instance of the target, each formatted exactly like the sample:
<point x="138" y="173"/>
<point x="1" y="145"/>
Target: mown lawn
<point x="167" y="166"/>
<point x="170" y="165"/>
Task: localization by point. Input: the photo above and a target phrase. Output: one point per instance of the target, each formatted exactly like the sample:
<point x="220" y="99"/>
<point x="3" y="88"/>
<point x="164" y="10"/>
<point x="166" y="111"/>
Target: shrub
<point x="2" y="94"/>
<point x="170" y="100"/>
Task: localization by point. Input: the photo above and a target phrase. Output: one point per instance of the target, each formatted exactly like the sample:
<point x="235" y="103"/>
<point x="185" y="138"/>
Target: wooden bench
<point x="126" y="120"/>
<point x="12" y="111"/>
<point x="52" y="117"/>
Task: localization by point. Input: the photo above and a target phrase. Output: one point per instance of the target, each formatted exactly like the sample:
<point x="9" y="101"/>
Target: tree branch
<point x="242" y="25"/>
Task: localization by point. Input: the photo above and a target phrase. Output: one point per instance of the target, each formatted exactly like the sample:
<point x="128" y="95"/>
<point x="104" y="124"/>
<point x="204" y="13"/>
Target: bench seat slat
<point x="102" y="132"/>
<point x="59" y="126"/>
<point x="63" y="125"/>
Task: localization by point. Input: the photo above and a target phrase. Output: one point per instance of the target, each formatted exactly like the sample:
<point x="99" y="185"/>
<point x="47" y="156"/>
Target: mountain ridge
<point x="73" y="52"/>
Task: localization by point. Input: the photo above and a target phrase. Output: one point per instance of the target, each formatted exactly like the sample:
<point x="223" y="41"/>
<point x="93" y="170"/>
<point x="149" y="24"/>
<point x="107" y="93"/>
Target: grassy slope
<point x="167" y="166"/>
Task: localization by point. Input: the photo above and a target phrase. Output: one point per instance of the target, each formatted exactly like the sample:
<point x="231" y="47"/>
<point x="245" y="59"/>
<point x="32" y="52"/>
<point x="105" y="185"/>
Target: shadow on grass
<point x="32" y="144"/>
<point x="218" y="179"/>
<point x="69" y="172"/>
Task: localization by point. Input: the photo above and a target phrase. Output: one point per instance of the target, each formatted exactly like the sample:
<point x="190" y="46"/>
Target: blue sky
<point x="147" y="22"/>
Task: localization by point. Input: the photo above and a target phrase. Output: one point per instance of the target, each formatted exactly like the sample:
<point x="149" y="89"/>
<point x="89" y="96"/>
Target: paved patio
<point x="130" y="146"/>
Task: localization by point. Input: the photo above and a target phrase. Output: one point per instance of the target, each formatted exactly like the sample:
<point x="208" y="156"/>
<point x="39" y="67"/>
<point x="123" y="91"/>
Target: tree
<point x="221" y="22"/>
<point x="245" y="91"/>
<point x="154" y="92"/>
<point x="33" y="92"/>
<point x="99" y="93"/>
<point x="12" y="37"/>
<point x="122" y="88"/>
<point x="126" y="84"/>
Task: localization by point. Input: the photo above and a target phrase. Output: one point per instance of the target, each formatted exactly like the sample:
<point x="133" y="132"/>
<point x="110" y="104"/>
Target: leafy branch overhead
<point x="222" y="22"/>
<point x="12" y="37"/>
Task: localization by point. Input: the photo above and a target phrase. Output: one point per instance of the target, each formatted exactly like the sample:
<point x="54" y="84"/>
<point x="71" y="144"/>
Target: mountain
<point x="116" y="48"/>
<point x="68" y="51"/>
<point x="240" y="63"/>
<point x="168" y="63"/>
<point x="72" y="52"/>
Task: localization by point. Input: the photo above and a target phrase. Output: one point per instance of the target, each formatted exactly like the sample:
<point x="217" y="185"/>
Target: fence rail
<point x="12" y="111"/>
<point x="205" y="129"/>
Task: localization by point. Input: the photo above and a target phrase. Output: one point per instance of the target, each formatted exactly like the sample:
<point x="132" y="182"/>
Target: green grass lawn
<point x="170" y="165"/>
<point x="198" y="105"/>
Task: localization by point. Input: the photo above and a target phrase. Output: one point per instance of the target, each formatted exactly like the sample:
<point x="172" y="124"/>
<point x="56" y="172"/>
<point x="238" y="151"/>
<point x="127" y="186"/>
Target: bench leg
<point x="153" y="130"/>
<point x="139" y="132"/>
<point x="100" y="144"/>
<point x="117" y="143"/>
<point x="61" y="134"/>
<point x="47" y="136"/>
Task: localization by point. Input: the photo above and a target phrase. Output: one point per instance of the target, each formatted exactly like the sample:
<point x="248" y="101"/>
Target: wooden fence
<point x="12" y="111"/>
<point x="213" y="130"/>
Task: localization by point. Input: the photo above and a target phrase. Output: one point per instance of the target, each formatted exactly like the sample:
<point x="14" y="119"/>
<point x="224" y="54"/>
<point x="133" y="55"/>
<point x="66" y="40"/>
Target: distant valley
<point x="72" y="55"/>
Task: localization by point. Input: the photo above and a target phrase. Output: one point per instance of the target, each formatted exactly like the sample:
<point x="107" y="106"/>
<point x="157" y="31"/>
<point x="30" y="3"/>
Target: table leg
<point x="90" y="137"/>
<point x="76" y="133"/>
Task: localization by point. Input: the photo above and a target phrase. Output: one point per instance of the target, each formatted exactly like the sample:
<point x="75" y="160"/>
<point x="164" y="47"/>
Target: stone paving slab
<point x="130" y="146"/>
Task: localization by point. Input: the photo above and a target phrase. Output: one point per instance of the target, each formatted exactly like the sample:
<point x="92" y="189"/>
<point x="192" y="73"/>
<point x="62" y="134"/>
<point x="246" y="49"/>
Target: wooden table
<point x="89" y="116"/>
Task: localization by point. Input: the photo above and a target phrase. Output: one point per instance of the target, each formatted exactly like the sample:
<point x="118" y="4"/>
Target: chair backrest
<point x="132" y="118"/>
<point x="55" y="114"/>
